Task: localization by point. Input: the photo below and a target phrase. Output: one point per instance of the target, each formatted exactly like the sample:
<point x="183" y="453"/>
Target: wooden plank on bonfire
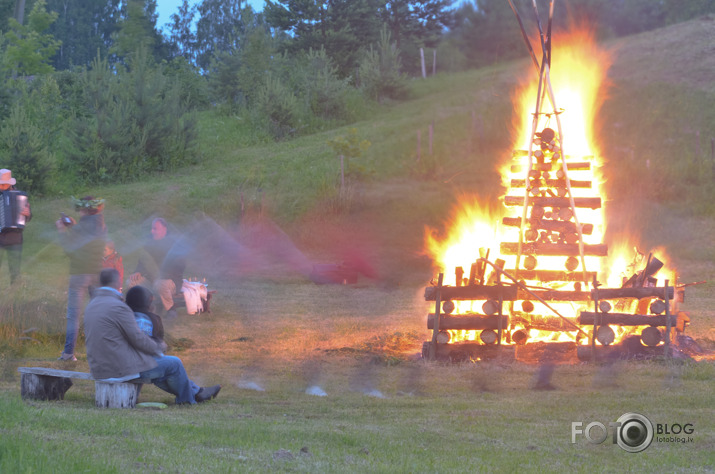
<point x="469" y="321"/>
<point x="575" y="166"/>
<point x="472" y="292"/>
<point x="553" y="275"/>
<point x="555" y="295"/>
<point x="542" y="323"/>
<point x="625" y="319"/>
<point x="582" y="202"/>
<point x="537" y="248"/>
<point x="548" y="224"/>
<point x="554" y="183"/>
<point x="642" y="292"/>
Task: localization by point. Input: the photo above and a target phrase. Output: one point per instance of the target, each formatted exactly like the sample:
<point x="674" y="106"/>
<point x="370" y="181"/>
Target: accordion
<point x="13" y="202"/>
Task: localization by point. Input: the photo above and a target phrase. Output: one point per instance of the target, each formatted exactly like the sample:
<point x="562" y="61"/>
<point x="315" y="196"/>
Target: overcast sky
<point x="165" y="8"/>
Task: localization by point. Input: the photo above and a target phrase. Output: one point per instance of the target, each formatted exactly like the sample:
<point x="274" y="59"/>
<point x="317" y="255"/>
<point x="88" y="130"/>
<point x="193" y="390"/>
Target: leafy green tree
<point x="323" y="90"/>
<point x="420" y="22"/>
<point x="133" y="122"/>
<point x="345" y="27"/>
<point x="415" y="24"/>
<point x="136" y="30"/>
<point x="341" y="27"/>
<point x="7" y="8"/>
<point x="486" y="31"/>
<point x="29" y="48"/>
<point x="379" y="74"/>
<point x="348" y="147"/>
<point x="278" y="107"/>
<point x="237" y="75"/>
<point x="194" y="90"/>
<point x="84" y="28"/>
<point x="219" y="29"/>
<point x="28" y="134"/>
<point x="5" y="74"/>
<point x="181" y="33"/>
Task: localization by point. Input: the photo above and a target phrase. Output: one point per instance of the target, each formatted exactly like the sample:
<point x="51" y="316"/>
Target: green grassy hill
<point x="660" y="102"/>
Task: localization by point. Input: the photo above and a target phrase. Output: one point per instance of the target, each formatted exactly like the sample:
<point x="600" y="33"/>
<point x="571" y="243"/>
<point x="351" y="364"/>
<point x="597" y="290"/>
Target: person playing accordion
<point x="14" y="214"/>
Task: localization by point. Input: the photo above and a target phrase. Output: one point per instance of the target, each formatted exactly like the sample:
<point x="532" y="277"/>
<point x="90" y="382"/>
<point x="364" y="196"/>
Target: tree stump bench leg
<point x="116" y="395"/>
<point x="43" y="387"/>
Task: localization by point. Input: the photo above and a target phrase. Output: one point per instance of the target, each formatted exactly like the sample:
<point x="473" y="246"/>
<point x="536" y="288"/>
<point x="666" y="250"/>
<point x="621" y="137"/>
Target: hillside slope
<point x="294" y="182"/>
<point x="683" y="53"/>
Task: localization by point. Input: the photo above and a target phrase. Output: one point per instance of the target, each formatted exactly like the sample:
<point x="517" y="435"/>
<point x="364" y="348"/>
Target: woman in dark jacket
<point x="140" y="300"/>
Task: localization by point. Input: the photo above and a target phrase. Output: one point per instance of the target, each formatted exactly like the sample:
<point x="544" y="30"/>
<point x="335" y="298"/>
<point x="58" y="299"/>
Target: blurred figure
<point x="11" y="236"/>
<point x="544" y="376"/>
<point x="83" y="242"/>
<point x="112" y="259"/>
<point x="161" y="265"/>
<point x="364" y="378"/>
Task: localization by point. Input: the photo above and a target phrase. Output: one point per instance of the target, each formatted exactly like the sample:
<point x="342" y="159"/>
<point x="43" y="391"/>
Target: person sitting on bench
<point x="141" y="300"/>
<point x="118" y="350"/>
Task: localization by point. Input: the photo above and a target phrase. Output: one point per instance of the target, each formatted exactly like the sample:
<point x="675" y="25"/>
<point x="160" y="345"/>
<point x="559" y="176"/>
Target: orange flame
<point x="577" y="76"/>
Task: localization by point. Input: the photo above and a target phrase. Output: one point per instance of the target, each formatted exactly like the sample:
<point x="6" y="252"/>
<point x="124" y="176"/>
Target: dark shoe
<point x="171" y="314"/>
<point x="207" y="393"/>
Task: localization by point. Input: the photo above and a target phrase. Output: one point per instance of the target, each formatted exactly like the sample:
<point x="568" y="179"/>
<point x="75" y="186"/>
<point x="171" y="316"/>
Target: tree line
<point x="94" y="91"/>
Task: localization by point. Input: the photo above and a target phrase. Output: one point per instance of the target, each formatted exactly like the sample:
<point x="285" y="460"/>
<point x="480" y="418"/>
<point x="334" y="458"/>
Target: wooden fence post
<point x="431" y="136"/>
<point x="419" y="144"/>
<point x="422" y="60"/>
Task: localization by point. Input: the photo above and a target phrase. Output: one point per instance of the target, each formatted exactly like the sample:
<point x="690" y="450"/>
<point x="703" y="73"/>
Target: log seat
<point x="42" y="383"/>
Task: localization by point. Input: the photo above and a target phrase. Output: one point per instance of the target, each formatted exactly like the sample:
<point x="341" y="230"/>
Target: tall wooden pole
<point x="419" y="145"/>
<point x="422" y="60"/>
<point x="431" y="137"/>
<point x="20" y="11"/>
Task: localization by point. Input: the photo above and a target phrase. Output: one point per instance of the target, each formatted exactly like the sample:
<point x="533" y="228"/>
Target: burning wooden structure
<point x="534" y="291"/>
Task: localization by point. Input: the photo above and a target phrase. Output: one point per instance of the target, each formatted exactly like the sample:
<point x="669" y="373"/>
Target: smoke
<point x="254" y="248"/>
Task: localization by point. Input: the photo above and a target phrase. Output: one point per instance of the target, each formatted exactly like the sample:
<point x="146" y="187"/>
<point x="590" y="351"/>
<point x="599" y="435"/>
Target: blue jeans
<point x="79" y="288"/>
<point x="170" y="376"/>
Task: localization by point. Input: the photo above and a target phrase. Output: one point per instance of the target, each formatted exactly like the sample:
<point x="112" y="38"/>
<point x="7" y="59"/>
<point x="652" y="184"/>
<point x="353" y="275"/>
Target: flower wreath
<point x="87" y="203"/>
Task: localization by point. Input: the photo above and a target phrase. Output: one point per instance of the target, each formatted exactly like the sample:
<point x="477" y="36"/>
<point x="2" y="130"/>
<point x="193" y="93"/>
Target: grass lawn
<point x="385" y="410"/>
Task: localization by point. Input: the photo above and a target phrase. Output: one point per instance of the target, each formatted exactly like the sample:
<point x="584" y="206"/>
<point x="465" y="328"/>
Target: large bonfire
<point x="547" y="232"/>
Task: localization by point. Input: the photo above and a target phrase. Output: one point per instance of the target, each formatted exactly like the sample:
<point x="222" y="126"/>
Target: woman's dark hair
<point x="139" y="299"/>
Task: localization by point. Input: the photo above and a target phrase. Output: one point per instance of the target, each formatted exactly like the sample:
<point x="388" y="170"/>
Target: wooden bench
<point x="41" y="383"/>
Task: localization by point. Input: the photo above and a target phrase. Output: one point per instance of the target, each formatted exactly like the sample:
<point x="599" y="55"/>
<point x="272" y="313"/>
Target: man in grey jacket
<point x="118" y="350"/>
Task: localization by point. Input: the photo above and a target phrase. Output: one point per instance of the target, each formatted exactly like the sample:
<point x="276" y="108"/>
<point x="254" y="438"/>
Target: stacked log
<point x="625" y="319"/>
<point x="469" y="322"/>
